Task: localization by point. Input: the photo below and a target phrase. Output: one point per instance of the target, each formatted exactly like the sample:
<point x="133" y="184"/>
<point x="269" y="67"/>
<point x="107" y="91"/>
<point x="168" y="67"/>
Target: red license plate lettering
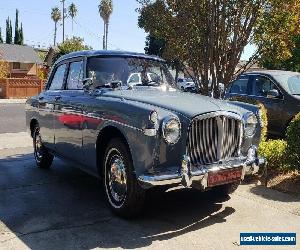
<point x="224" y="176"/>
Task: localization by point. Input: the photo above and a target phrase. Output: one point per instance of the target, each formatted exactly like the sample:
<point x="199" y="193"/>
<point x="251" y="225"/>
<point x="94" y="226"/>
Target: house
<point x="23" y="60"/>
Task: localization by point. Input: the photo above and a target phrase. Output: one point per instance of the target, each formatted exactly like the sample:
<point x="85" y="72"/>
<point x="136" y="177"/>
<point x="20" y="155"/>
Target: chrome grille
<point x="212" y="139"/>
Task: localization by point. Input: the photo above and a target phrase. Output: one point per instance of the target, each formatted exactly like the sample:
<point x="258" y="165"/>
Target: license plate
<point x="224" y="176"/>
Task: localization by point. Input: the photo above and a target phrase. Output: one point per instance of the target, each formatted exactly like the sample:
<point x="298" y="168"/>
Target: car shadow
<point x="271" y="194"/>
<point x="65" y="208"/>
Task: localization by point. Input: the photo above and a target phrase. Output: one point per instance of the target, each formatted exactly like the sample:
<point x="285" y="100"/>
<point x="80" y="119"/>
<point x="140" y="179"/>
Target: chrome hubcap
<point x="117" y="179"/>
<point x="38" y="146"/>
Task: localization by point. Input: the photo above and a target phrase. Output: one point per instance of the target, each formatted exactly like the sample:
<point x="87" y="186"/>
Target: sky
<point x="124" y="33"/>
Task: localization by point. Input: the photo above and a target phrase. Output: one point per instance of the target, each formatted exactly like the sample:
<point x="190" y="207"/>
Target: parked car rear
<point x="278" y="90"/>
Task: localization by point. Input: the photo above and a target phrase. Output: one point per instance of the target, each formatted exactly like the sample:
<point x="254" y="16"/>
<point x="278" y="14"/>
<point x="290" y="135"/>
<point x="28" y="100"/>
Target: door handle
<point x="56" y="98"/>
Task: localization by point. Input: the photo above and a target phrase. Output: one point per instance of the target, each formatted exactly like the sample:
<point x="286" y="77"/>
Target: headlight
<point x="250" y="122"/>
<point x="171" y="130"/>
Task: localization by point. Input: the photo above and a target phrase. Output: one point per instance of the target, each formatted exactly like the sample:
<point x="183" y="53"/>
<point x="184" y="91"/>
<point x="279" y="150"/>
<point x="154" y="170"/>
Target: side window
<point x="240" y="86"/>
<point x="58" y="79"/>
<point x="75" y="76"/>
<point x="262" y="85"/>
<point x="134" y="78"/>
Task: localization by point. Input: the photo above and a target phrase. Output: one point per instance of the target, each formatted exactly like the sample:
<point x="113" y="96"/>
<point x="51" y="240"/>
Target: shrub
<point x="274" y="151"/>
<point x="4" y="69"/>
<point x="293" y="142"/>
<point x="264" y="118"/>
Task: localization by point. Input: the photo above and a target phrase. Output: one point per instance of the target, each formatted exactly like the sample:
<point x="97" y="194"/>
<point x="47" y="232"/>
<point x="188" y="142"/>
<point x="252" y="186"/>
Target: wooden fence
<point x="12" y="88"/>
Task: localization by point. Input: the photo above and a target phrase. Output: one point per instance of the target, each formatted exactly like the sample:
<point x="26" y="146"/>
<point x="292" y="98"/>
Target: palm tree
<point x="56" y="17"/>
<point x="72" y="13"/>
<point x="105" y="10"/>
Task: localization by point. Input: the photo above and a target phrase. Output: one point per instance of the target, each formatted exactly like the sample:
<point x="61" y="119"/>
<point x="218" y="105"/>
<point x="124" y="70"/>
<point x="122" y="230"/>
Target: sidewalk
<point x="12" y="101"/>
<point x="15" y="140"/>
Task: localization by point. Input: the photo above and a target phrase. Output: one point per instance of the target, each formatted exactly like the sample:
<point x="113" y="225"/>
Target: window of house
<point x="262" y="85"/>
<point x="16" y="65"/>
<point x="58" y="78"/>
<point x="75" y="76"/>
<point x="240" y="86"/>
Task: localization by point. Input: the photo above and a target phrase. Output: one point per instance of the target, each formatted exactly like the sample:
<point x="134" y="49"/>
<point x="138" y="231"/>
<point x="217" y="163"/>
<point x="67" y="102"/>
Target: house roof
<point x="18" y="53"/>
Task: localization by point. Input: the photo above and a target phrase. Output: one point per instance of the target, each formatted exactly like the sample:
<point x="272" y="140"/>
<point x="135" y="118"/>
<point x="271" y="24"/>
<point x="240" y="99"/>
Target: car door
<point x="69" y="122"/>
<point x="261" y="85"/>
<point x="47" y="102"/>
<point x="240" y="89"/>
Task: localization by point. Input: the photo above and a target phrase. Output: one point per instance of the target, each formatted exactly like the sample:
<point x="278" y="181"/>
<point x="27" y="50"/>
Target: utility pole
<point x="63" y="18"/>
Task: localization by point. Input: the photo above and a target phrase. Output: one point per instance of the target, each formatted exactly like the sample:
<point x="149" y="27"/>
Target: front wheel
<point x="42" y="156"/>
<point x="125" y="196"/>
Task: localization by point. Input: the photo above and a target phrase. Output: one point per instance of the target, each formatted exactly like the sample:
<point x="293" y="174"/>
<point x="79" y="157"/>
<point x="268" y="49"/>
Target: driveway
<point x="64" y="208"/>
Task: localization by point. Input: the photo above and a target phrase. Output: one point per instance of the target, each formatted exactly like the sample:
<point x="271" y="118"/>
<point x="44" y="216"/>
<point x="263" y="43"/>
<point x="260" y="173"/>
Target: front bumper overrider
<point x="197" y="176"/>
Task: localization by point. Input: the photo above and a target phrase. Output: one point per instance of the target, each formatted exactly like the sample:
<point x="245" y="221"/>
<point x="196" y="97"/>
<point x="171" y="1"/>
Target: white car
<point x="184" y="83"/>
<point x="136" y="78"/>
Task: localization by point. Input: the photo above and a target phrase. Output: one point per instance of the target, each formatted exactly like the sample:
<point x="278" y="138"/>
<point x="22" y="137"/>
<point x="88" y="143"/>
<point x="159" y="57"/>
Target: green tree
<point x="21" y="35"/>
<point x="1" y="39"/>
<point x="17" y="31"/>
<point x="72" y="13"/>
<point x="105" y="10"/>
<point x="157" y="46"/>
<point x="70" y="45"/>
<point x="291" y="64"/>
<point x="56" y="17"/>
<point x="8" y="39"/>
<point x="154" y="46"/>
<point x="210" y="36"/>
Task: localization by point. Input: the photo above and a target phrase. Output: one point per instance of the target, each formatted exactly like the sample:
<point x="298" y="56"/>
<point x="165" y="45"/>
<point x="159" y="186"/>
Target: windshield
<point x="291" y="82"/>
<point x="129" y="71"/>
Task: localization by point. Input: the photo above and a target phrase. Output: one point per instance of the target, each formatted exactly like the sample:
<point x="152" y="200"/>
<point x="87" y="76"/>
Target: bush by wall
<point x="293" y="142"/>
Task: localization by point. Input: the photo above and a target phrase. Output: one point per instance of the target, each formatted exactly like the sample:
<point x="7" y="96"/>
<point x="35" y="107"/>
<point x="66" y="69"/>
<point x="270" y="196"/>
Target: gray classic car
<point x="136" y="137"/>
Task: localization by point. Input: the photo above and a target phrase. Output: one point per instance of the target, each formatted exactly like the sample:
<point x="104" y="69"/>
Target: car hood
<point x="187" y="104"/>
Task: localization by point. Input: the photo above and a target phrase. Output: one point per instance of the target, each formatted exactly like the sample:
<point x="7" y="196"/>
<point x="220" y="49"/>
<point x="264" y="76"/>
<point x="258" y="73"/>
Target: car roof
<point x="95" y="53"/>
<point x="271" y="72"/>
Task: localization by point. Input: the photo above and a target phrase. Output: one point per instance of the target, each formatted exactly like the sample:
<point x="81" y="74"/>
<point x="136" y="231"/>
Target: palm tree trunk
<point x="72" y="26"/>
<point x="55" y="29"/>
<point x="106" y="35"/>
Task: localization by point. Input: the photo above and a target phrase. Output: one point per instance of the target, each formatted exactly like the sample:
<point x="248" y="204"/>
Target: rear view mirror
<point x="273" y="93"/>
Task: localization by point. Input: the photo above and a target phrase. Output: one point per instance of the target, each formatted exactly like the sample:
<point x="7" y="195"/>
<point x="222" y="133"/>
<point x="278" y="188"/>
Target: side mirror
<point x="273" y="93"/>
<point x="87" y="83"/>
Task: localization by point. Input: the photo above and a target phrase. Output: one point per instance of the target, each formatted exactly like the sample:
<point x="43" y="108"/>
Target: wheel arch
<point x="104" y="136"/>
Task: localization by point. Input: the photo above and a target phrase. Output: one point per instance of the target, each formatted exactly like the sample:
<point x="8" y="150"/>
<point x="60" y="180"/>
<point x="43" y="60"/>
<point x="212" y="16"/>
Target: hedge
<point x="293" y="142"/>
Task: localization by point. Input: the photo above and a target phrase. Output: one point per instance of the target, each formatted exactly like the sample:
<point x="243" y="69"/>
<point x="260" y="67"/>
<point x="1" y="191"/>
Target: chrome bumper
<point x="197" y="176"/>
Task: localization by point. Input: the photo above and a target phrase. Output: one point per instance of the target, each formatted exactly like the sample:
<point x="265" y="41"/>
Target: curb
<point x="12" y="101"/>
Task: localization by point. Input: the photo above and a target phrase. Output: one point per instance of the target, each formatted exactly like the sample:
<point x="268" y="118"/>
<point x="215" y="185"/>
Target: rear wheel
<point x="125" y="196"/>
<point x="42" y="156"/>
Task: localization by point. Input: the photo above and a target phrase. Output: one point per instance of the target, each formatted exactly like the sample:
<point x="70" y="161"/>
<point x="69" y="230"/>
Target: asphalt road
<point x="12" y="118"/>
<point x="64" y="208"/>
